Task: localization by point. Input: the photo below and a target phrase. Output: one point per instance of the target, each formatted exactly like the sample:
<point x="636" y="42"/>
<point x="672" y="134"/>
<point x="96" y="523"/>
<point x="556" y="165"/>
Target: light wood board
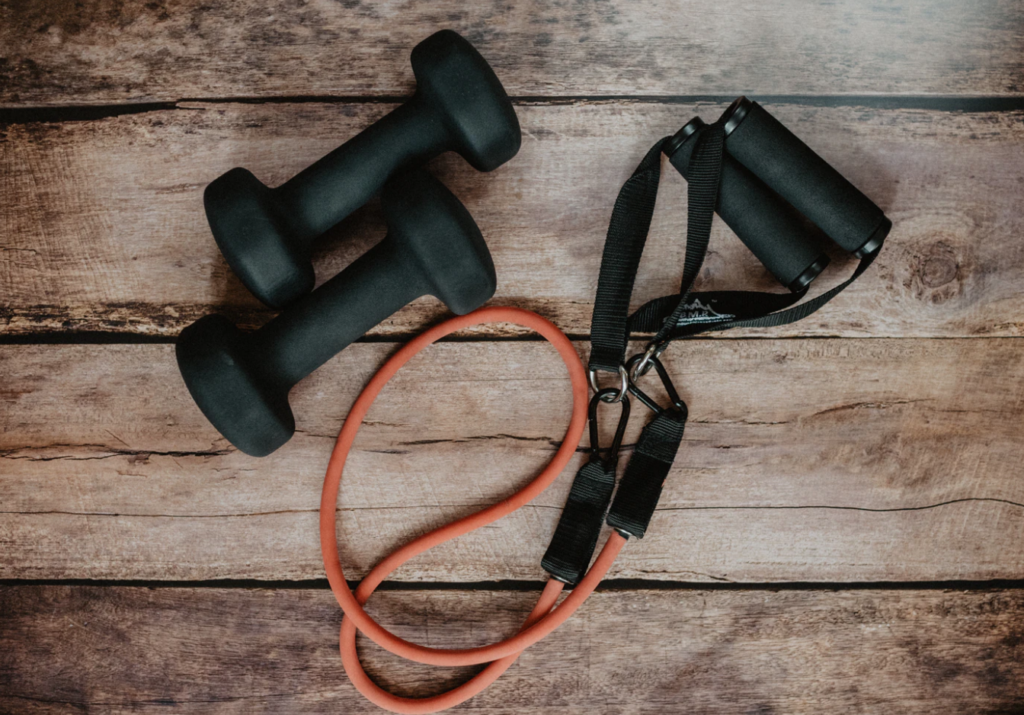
<point x="804" y="460"/>
<point x="102" y="226"/>
<point x="642" y="652"/>
<point x="111" y="51"/>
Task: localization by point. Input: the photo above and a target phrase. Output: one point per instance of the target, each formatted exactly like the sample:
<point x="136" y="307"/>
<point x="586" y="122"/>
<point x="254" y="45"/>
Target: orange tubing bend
<point x="544" y="618"/>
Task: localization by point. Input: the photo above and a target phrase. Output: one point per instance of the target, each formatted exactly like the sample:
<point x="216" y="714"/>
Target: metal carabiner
<point x="609" y="395"/>
<point x="650" y="359"/>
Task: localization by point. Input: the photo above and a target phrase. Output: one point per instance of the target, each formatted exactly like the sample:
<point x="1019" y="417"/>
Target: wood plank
<point x="102" y="227"/>
<point x="107" y="51"/>
<point x="805" y="460"/>
<point x="643" y="652"/>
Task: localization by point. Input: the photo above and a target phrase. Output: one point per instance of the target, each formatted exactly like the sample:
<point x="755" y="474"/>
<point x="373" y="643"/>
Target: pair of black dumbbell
<point x="433" y="247"/>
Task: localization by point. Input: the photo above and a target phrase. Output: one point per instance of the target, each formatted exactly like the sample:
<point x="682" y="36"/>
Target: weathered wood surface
<point x="805" y="460"/>
<point x="71" y="649"/>
<point x="106" y="51"/>
<point x="830" y="461"/>
<point x="102" y="226"/>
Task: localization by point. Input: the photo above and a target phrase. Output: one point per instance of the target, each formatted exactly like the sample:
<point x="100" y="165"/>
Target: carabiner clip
<point x="609" y="395"/>
<point x="677" y="402"/>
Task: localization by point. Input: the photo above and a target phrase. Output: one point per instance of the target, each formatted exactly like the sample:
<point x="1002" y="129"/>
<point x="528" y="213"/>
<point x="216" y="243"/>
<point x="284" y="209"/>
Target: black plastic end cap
<point x="244" y="220"/>
<point x="736" y="113"/>
<point x="677" y="140"/>
<point x="810" y="273"/>
<point x="214" y="360"/>
<point x="875" y="241"/>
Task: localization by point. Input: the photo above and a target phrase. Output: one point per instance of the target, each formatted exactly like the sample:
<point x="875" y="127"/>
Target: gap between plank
<point x="618" y="584"/>
<point x="779" y="507"/>
<point x="119" y="338"/>
<point x="945" y="103"/>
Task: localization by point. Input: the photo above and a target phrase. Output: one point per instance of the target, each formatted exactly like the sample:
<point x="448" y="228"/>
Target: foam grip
<point x="769" y="226"/>
<point x="794" y="171"/>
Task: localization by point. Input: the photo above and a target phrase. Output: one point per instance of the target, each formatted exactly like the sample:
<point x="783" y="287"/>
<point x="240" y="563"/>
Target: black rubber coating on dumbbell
<point x="266" y="234"/>
<point x="241" y="380"/>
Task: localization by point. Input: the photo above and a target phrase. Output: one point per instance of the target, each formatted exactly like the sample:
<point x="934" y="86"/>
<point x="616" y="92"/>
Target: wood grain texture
<point x="102" y="226"/>
<point x="119" y="650"/>
<point x="105" y="51"/>
<point x="804" y="460"/>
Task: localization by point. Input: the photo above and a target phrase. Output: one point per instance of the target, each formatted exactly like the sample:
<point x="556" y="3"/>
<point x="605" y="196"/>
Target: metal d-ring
<point x="618" y="394"/>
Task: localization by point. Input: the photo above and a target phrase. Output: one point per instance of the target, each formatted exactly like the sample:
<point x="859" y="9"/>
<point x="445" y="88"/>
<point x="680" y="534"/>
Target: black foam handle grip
<point x="766" y="223"/>
<point x="794" y="171"/>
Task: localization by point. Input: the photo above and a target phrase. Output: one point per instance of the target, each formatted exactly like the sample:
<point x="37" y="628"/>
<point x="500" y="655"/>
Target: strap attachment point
<point x="617" y="394"/>
<point x="639" y="368"/>
<point x="677" y="403"/>
<point x="609" y="395"/>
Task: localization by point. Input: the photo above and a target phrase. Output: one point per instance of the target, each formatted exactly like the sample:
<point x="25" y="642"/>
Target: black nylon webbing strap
<point x="627" y="234"/>
<point x="708" y="308"/>
<point x="804" y="309"/>
<point x="766" y="319"/>
<point x="572" y="546"/>
<point x="640" y="488"/>
<point x="702" y="197"/>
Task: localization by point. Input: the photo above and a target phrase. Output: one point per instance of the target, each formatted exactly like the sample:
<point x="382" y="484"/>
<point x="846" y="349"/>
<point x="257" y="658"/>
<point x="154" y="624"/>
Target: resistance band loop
<point x="546" y="616"/>
<point x="590" y="501"/>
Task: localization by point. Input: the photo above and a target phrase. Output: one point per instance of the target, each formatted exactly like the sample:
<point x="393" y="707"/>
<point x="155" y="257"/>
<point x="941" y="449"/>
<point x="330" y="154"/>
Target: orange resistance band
<point x="544" y="618"/>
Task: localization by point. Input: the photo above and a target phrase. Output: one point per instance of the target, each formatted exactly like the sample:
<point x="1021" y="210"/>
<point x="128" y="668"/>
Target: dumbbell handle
<point x="324" y="193"/>
<point x="322" y="323"/>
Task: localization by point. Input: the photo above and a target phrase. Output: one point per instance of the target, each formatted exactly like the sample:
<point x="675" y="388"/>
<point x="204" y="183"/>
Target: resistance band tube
<point x="544" y="618"/>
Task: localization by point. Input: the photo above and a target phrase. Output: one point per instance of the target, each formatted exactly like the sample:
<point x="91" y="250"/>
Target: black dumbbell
<point x="241" y="380"/>
<point x="763" y="220"/>
<point x="459" y="105"/>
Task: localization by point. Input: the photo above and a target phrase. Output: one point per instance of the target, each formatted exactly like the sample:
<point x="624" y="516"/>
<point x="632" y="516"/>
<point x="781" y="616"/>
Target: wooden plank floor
<point x="209" y="650"/>
<point x="842" y="530"/>
<point x="111" y="236"/>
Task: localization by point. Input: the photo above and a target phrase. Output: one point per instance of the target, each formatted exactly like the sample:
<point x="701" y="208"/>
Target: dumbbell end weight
<point x="453" y="78"/>
<point x="253" y="414"/>
<point x="250" y="231"/>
